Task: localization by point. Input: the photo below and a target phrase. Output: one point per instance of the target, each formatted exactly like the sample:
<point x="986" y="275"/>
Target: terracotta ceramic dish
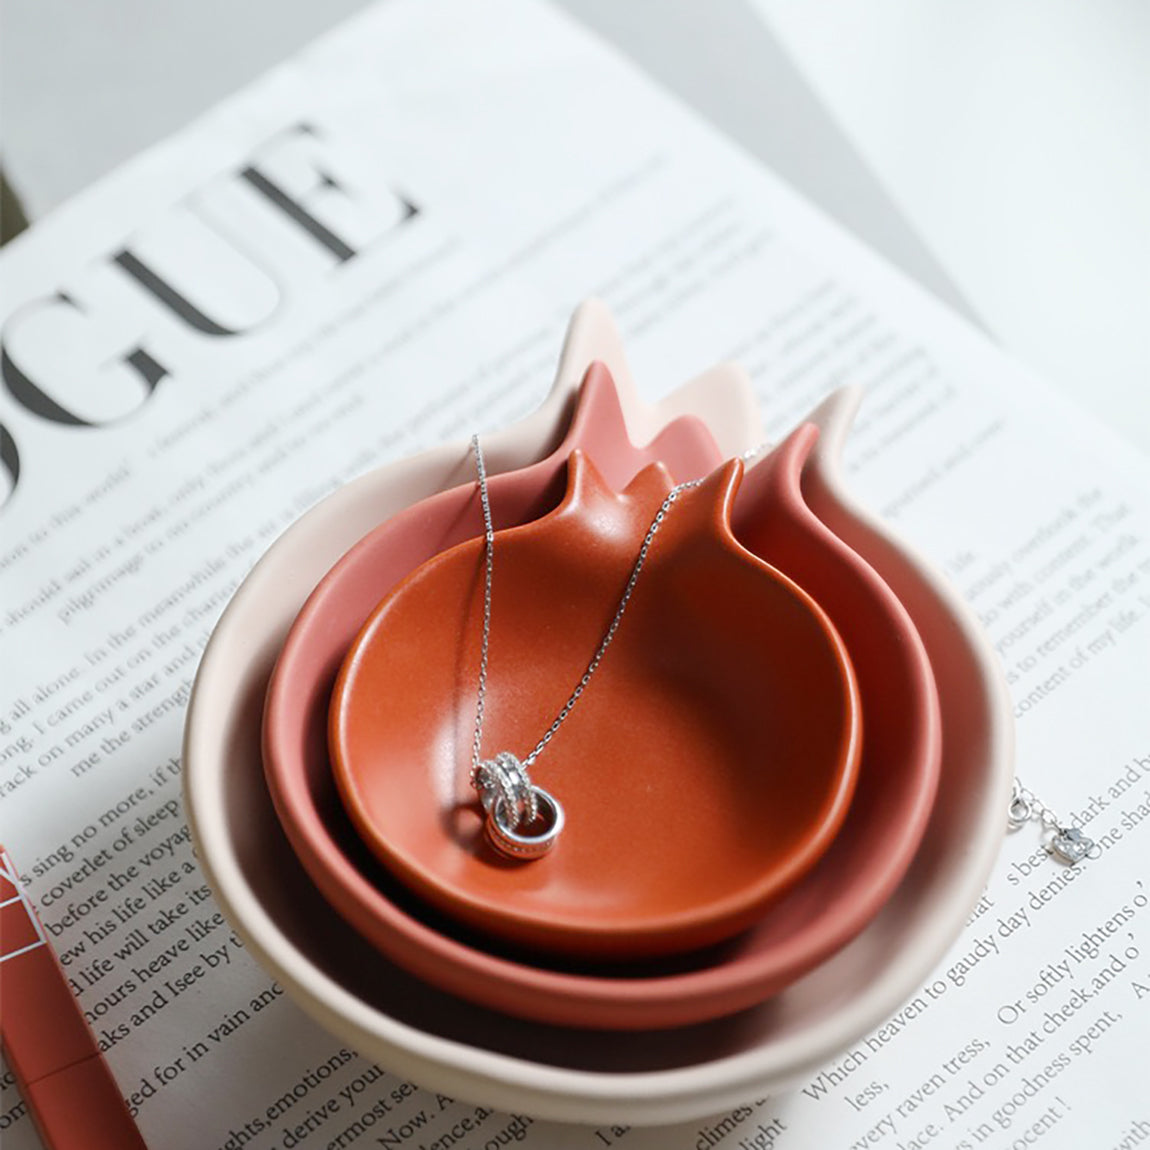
<point x="472" y="1053"/>
<point x="706" y="768"/>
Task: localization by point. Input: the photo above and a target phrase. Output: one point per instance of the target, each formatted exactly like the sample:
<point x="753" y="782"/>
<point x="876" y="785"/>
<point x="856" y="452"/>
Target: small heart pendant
<point x="1070" y="845"/>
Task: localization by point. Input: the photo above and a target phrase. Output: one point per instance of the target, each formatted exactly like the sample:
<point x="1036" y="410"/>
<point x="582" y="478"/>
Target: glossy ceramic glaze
<point x="441" y="1041"/>
<point x="707" y="767"/>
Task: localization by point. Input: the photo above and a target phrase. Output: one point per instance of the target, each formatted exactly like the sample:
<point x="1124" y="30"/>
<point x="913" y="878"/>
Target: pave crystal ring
<point x="523" y="820"/>
<point x="503" y="779"/>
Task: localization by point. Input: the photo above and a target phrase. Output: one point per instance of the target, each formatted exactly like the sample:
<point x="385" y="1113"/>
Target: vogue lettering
<point x="93" y="353"/>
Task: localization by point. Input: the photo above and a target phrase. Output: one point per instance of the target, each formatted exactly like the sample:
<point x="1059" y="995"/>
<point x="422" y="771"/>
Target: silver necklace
<point x="1063" y="842"/>
<point x="523" y="820"/>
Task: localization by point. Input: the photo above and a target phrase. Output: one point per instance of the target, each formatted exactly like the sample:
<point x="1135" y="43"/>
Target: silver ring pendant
<point x="528" y="840"/>
<point x="503" y="779"/>
<point x="523" y="821"/>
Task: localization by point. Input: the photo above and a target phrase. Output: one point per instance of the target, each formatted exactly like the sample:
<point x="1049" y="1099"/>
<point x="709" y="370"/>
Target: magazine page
<point x="375" y="249"/>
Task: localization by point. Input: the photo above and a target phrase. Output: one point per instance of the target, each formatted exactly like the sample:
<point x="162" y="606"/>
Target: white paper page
<point x="422" y="293"/>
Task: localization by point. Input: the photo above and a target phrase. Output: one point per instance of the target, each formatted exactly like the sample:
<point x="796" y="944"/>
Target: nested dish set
<point x="773" y="746"/>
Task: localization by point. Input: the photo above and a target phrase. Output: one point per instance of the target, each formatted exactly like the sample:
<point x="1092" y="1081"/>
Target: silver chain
<point x="604" y="643"/>
<point x="489" y="536"/>
<point x="1066" y="843"/>
<point x="1025" y="805"/>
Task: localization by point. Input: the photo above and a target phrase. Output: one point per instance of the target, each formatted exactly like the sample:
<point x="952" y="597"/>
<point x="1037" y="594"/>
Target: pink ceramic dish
<point x="296" y="765"/>
<point x="902" y="744"/>
<point x="836" y="901"/>
<point x="705" y="770"/>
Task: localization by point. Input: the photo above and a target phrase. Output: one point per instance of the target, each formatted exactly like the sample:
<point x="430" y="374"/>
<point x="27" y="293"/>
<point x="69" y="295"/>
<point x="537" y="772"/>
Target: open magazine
<point x="376" y="248"/>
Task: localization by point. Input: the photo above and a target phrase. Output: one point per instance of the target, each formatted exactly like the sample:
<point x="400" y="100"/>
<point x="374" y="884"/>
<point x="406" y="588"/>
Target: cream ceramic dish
<point x="559" y="1073"/>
